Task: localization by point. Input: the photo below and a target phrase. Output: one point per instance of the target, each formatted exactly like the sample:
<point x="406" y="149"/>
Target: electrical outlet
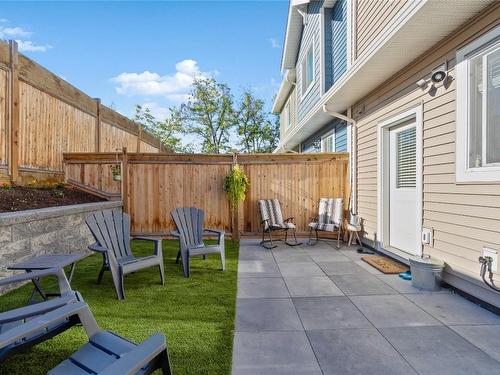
<point x="487" y="252"/>
<point x="427" y="236"/>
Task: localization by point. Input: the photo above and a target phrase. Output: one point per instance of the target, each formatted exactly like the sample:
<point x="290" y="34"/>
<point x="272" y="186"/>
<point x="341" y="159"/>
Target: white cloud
<point x="14" y="32"/>
<point x="274" y="43"/>
<point x="28" y="45"/>
<point x="174" y="87"/>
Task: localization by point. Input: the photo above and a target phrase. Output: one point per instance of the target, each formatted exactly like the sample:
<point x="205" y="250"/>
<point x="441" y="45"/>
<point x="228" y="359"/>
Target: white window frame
<point x="286" y="111"/>
<point x="303" y="72"/>
<point x="465" y="174"/>
<point x="324" y="138"/>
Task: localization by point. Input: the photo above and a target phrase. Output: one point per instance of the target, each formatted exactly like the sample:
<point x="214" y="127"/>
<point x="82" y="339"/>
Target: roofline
<point x="286" y="86"/>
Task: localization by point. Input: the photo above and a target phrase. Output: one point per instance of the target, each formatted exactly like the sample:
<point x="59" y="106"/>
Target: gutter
<point x="352" y="155"/>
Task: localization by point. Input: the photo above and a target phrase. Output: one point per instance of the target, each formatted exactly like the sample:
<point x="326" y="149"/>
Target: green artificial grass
<point x="195" y="314"/>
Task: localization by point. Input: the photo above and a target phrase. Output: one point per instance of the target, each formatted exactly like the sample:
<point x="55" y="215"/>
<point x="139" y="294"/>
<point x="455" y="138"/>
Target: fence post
<point x="13" y="111"/>
<point x="235" y="210"/>
<point x="98" y="139"/>
<point x="124" y="170"/>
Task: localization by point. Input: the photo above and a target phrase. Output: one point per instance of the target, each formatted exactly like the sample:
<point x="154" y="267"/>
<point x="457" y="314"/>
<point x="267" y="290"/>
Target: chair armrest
<point x="313" y="219"/>
<point x="264" y="221"/>
<point x="37" y="308"/>
<point x="62" y="280"/>
<point x="220" y="234"/>
<point x="131" y="362"/>
<point x="43" y="321"/>
<point x="97" y="248"/>
<point x="289" y="219"/>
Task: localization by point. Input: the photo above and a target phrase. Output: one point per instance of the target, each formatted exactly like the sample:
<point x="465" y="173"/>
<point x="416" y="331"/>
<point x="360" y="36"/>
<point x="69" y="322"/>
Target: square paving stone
<point x="292" y="256"/>
<point x="439" y="350"/>
<point x="361" y="284"/>
<point x="317" y="286"/>
<point x="356" y="351"/>
<point x="368" y="267"/>
<point x="300" y="269"/>
<point x="486" y="338"/>
<point x="273" y="353"/>
<point x="393" y="311"/>
<point x="453" y="309"/>
<point x="256" y="254"/>
<point x="255" y="314"/>
<point x="262" y="287"/>
<point x="319" y="313"/>
<point x="341" y="268"/>
<point x="330" y="255"/>
<point x="257" y="268"/>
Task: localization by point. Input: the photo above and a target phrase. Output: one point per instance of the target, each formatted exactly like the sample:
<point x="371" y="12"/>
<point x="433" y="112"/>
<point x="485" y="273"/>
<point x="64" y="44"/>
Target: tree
<point x="167" y="131"/>
<point x="208" y="114"/>
<point x="258" y="131"/>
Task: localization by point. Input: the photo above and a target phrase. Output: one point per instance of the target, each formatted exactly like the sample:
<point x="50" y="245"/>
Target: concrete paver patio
<point x="319" y="310"/>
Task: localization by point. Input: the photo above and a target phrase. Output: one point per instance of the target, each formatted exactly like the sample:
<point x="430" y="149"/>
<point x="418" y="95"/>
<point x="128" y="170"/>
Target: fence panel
<point x="158" y="183"/>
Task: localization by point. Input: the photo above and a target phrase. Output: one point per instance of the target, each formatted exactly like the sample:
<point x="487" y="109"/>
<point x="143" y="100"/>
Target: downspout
<point x="352" y="156"/>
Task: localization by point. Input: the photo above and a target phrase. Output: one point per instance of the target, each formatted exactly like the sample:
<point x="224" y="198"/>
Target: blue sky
<point x="147" y="52"/>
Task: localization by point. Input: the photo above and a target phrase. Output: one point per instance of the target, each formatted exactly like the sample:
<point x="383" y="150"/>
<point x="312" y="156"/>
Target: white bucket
<point x="426" y="273"/>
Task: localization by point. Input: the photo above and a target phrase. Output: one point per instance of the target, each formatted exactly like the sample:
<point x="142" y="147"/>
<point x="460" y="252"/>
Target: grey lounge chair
<point x="11" y="320"/>
<point x="330" y="217"/>
<point x="189" y="223"/>
<point x="111" y="230"/>
<point x="106" y="353"/>
<point x="272" y="221"/>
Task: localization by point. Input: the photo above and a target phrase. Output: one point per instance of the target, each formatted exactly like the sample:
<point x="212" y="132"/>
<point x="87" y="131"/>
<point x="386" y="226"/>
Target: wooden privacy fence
<point x="154" y="184"/>
<point x="42" y="116"/>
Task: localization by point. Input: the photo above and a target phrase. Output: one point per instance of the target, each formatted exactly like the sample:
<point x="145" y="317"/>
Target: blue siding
<point x="339" y="41"/>
<point x="328" y="48"/>
<point x="310" y="34"/>
<point x="313" y="143"/>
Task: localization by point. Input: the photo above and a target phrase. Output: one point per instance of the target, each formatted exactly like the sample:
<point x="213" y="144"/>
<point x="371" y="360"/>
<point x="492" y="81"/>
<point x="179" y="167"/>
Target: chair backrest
<point x="355" y="220"/>
<point x="331" y="210"/>
<point x="270" y="210"/>
<point x="111" y="230"/>
<point x="189" y="223"/>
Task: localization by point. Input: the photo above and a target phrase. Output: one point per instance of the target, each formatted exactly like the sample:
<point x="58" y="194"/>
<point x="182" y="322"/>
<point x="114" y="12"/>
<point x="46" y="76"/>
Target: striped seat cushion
<point x="270" y="210"/>
<point x="330" y="214"/>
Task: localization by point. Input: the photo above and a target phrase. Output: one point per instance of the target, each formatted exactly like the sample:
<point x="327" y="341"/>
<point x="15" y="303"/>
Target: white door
<point x="402" y="187"/>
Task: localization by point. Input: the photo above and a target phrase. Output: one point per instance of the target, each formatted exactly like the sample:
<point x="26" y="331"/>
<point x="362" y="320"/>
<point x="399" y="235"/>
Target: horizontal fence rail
<point x="42" y="116"/>
<point x="152" y="185"/>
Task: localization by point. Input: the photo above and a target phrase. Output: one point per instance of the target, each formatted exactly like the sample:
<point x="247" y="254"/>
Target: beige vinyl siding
<point x="373" y="17"/>
<point x="464" y="217"/>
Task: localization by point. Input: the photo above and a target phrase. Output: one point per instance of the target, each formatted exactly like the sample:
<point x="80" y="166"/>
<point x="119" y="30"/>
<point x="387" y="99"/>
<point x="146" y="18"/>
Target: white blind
<point x="406" y="158"/>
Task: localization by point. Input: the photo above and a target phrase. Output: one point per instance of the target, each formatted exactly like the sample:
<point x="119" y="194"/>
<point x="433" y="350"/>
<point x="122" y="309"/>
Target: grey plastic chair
<point x="106" y="353"/>
<point x="272" y="221"/>
<point x="10" y="321"/>
<point x="330" y="217"/>
<point x="189" y="223"/>
<point x="111" y="230"/>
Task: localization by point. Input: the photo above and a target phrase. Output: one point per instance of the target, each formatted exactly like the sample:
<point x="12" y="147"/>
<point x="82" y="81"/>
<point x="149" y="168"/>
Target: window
<point x="406" y="166"/>
<point x="328" y="143"/>
<point x="478" y="109"/>
<point x="307" y="68"/>
<point x="286" y="115"/>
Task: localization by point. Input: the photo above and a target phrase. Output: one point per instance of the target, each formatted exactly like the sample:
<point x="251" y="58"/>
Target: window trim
<point x="303" y="93"/>
<point x="286" y="110"/>
<point x="463" y="173"/>
<point x="324" y="137"/>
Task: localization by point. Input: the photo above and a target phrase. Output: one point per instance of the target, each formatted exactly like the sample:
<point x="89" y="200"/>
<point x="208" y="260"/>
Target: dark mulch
<point x="18" y="198"/>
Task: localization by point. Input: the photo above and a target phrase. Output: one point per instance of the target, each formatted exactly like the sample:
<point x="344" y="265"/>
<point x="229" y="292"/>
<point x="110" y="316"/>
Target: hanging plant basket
<point x="116" y="171"/>
<point x="236" y="185"/>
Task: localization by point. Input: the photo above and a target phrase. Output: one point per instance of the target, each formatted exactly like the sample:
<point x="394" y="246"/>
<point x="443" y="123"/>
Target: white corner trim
<point x="463" y="173"/>
<point x="382" y="141"/>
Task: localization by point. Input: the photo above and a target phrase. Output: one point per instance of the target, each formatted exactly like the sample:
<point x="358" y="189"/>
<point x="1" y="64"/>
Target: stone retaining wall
<point x="53" y="230"/>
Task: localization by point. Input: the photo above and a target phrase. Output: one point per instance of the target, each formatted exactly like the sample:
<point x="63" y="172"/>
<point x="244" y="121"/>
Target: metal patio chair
<point x="111" y="230"/>
<point x="329" y="219"/>
<point x="189" y="223"/>
<point x="272" y="221"/>
<point x="13" y="321"/>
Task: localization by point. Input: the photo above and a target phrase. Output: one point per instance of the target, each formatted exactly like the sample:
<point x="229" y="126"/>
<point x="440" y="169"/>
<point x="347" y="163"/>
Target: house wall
<point x="310" y="34"/>
<point x="292" y="102"/>
<point x="338" y="51"/>
<point x="373" y="17"/>
<point x="464" y="217"/>
<point x="340" y="129"/>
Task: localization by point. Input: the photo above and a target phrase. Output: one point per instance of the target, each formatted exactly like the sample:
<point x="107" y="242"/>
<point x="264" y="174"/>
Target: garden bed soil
<point x="19" y="198"/>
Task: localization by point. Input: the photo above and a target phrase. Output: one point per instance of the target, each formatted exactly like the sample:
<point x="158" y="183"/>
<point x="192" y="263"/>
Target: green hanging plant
<point x="236" y="185"/>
